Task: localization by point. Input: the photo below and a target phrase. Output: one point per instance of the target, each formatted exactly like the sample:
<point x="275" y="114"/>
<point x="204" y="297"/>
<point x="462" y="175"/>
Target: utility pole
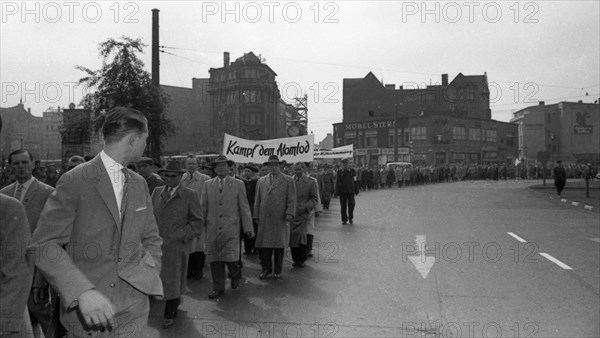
<point x="396" y="133"/>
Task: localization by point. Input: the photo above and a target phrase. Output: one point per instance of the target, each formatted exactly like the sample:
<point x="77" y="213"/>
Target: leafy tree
<point x="122" y="81"/>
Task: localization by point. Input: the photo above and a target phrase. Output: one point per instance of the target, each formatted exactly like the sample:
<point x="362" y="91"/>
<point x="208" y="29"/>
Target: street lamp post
<point x="396" y="133"/>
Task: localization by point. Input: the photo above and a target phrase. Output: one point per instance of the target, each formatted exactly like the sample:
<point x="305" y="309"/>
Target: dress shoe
<point x="310" y="254"/>
<point x="343" y="223"/>
<point x="301" y="264"/>
<point x="167" y="323"/>
<point x="198" y="276"/>
<point x="216" y="294"/>
<point x="295" y="264"/>
<point x="235" y="283"/>
<point x="263" y="275"/>
<point x="276" y="276"/>
<point x="350" y="220"/>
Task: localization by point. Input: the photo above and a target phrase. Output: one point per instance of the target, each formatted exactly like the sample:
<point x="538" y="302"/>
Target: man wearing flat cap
<point x="274" y="208"/>
<point x="101" y="206"/>
<point x="225" y="208"/>
<point x="346" y="188"/>
<point x="144" y="168"/>
<point x="560" y="177"/>
<point x="178" y="215"/>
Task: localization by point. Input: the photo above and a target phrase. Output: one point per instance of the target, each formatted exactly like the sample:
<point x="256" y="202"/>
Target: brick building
<point x="568" y="131"/>
<point x="53" y="120"/>
<point x="439" y="124"/>
<point x="80" y="140"/>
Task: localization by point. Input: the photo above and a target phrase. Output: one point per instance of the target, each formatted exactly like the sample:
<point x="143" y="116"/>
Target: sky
<point x="531" y="51"/>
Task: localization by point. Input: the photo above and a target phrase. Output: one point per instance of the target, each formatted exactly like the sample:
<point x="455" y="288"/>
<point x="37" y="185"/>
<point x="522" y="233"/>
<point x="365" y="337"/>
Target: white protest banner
<point x="290" y="149"/>
<point x="340" y="152"/>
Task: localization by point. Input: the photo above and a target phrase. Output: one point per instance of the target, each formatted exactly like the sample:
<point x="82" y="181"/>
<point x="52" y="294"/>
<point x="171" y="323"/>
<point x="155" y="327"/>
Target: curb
<point x="573" y="203"/>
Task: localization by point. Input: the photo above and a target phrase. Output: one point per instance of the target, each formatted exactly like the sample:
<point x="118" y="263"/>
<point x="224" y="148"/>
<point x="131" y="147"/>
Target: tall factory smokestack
<point x="155" y="51"/>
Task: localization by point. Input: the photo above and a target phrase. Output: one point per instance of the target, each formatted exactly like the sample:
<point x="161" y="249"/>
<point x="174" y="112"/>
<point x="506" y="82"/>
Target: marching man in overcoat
<point x="225" y="208"/>
<point x="274" y="208"/>
<point x="306" y="200"/>
<point x="178" y="215"/>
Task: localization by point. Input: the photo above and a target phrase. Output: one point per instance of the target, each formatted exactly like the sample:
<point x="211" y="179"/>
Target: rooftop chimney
<point x="444" y="80"/>
<point x="542" y="103"/>
<point x="580" y="101"/>
<point x="155" y="49"/>
<point x="226" y="59"/>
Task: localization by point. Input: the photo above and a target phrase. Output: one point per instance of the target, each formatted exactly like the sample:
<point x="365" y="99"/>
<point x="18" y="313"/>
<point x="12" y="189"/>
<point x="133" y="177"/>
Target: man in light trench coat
<point x="225" y="208"/>
<point x="274" y="208"/>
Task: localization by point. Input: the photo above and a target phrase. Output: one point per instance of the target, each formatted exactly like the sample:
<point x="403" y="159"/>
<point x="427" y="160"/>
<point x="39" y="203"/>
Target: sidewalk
<point x="574" y="193"/>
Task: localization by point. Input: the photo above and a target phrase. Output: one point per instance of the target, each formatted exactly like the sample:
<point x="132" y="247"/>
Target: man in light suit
<point x="178" y="215"/>
<point x="33" y="194"/>
<point x="100" y="228"/>
<point x="225" y="208"/>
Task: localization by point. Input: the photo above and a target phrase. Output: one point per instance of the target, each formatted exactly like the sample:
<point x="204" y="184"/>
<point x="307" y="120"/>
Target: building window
<point x="458" y="133"/>
<point x="418" y="133"/>
<point x="491" y="135"/>
<point x="251" y="96"/>
<point x="231" y="98"/>
<point x="391" y="137"/>
<point x="474" y="134"/>
<point x="406" y="134"/>
<point x="350" y="137"/>
<point x="371" y="138"/>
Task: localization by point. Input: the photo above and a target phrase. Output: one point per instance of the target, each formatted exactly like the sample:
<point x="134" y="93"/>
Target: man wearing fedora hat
<point x="178" y="215"/>
<point x="224" y="208"/>
<point x="274" y="208"/>
<point x="346" y="188"/>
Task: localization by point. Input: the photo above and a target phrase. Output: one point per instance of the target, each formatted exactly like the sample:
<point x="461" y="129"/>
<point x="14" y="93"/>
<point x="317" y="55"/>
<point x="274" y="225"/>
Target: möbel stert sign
<point x="291" y="149"/>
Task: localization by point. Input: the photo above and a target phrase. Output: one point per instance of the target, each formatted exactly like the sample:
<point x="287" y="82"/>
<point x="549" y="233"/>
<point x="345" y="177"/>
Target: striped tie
<point x="19" y="191"/>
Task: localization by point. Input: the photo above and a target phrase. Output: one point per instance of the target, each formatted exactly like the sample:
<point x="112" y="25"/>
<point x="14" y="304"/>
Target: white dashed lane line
<point x="597" y="240"/>
<point x="515" y="236"/>
<point x="546" y="255"/>
<point x="555" y="261"/>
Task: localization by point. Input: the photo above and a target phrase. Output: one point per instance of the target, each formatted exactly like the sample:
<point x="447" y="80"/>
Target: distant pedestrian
<point x="560" y="177"/>
<point x="346" y="189"/>
<point x="145" y="169"/>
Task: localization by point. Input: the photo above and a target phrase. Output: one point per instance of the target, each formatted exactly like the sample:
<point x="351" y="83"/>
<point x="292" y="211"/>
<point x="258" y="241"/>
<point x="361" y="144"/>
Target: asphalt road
<point x="495" y="259"/>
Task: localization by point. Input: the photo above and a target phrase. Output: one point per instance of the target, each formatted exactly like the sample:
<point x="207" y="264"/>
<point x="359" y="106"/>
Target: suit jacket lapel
<point x="275" y="182"/>
<point x="106" y="191"/>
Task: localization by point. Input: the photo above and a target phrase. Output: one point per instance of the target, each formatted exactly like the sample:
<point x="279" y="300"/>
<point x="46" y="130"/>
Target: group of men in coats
<point x="116" y="243"/>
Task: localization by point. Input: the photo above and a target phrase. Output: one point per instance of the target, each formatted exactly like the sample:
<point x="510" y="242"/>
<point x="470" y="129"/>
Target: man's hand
<point x="250" y="235"/>
<point x="40" y="295"/>
<point x="96" y="309"/>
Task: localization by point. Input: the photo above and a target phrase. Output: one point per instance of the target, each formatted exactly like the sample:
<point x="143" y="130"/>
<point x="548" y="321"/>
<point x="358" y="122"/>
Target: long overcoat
<point x="224" y="213"/>
<point x="328" y="186"/>
<point x="179" y="220"/>
<point x="272" y="203"/>
<point x="306" y="200"/>
<point x="196" y="183"/>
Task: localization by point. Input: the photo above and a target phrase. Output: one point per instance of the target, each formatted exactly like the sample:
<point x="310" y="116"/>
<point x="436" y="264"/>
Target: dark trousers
<point x="299" y="253"/>
<point x="267" y="262"/>
<point x="217" y="270"/>
<point x="171" y="308"/>
<point x="196" y="263"/>
<point x="309" y="242"/>
<point x="347" y="203"/>
<point x="560" y="185"/>
<point x="249" y="242"/>
<point x="41" y="313"/>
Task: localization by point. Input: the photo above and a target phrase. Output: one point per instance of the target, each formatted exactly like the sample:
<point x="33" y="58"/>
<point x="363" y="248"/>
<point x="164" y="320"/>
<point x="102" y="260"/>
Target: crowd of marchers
<point x="152" y="227"/>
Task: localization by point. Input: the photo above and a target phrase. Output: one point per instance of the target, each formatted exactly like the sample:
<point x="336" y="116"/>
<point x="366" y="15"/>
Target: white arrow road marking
<point x="422" y="263"/>
<point x="597" y="240"/>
